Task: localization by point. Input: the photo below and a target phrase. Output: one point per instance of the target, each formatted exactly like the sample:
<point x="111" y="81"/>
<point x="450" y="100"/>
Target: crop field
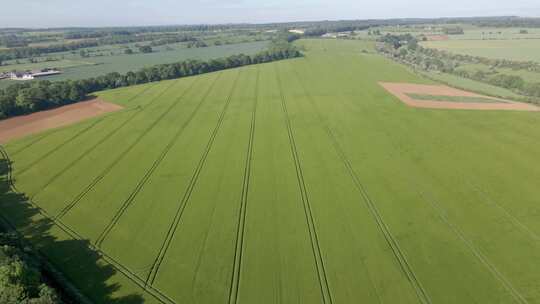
<point x="520" y="50"/>
<point x="299" y="181"/>
<point x="74" y="67"/>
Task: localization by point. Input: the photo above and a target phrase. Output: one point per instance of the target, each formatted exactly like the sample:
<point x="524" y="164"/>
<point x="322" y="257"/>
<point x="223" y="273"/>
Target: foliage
<point x="22" y="98"/>
<point x="145" y="49"/>
<point x="330" y="150"/>
<point x="21" y="280"/>
<point x="405" y="49"/>
<point x="24" y="52"/>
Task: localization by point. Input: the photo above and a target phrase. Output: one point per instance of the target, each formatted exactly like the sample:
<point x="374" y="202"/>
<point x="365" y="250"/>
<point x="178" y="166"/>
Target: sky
<point x="59" y="13"/>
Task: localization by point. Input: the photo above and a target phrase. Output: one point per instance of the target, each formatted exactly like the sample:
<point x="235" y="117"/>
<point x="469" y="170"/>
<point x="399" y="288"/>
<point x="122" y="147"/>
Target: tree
<point x="26" y="97"/>
<point x="145" y="49"/>
<point x="20" y="277"/>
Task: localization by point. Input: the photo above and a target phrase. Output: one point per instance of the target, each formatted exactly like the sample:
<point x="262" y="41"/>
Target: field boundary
<point x="89" y="150"/>
<point x="43" y="136"/>
<point x="401" y="91"/>
<point x="187" y="194"/>
<point x="315" y="246"/>
<point x="239" y="244"/>
<point x="37" y="122"/>
<point x="127" y="203"/>
<point x="152" y="291"/>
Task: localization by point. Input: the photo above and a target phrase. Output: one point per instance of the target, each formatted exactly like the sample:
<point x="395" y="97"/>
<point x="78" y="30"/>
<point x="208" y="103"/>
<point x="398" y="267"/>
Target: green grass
<point x="300" y="181"/>
<point x="520" y="50"/>
<point x="452" y="98"/>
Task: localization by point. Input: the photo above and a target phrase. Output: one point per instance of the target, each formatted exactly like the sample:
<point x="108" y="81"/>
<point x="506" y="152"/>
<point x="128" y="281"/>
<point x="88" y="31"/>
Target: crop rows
<point x="187" y="194"/>
<point x="295" y="181"/>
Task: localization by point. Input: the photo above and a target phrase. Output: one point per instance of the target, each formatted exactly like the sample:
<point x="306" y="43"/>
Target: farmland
<point x="521" y="50"/>
<point x="298" y="181"/>
<point x="74" y="67"/>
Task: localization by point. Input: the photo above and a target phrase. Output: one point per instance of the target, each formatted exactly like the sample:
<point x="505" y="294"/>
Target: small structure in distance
<point x="297" y="31"/>
<point x="29" y="75"/>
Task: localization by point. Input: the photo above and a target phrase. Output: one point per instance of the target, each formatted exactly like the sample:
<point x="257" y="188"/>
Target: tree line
<point x="21" y="279"/>
<point x="28" y="51"/>
<point x="25" y="52"/>
<point x="28" y="97"/>
<point x="405" y="49"/>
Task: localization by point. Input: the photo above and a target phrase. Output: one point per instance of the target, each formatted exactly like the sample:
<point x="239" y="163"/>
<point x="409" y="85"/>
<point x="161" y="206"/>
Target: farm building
<point x="29" y="75"/>
<point x="337" y="35"/>
<point x="297" y="31"/>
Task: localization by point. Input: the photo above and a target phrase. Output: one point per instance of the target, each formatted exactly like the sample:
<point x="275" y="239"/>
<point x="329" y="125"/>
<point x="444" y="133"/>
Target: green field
<point x="520" y="50"/>
<point x="61" y="64"/>
<point x="74" y="67"/>
<point x="299" y="181"/>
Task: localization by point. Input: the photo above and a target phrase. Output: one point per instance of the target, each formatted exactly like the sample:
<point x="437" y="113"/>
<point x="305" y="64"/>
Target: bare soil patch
<point x="21" y="126"/>
<point x="401" y="91"/>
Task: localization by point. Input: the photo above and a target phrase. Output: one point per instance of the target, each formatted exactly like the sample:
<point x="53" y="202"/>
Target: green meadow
<point x="298" y="181"/>
<point x="512" y="49"/>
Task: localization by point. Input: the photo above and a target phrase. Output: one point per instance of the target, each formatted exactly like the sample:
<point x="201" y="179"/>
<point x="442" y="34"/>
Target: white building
<point x="297" y="31"/>
<point x="29" y="75"/>
<point x="21" y="76"/>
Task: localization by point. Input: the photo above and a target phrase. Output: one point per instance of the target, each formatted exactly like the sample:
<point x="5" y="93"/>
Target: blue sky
<point x="55" y="13"/>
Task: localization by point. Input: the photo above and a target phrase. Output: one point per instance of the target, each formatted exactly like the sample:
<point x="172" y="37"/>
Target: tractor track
<point x="383" y="227"/>
<point x="130" y="275"/>
<point x="475" y="251"/>
<point x="40" y="138"/>
<point x="140" y="185"/>
<point x="240" y="232"/>
<point x="315" y="246"/>
<point x="156" y="264"/>
<point x="111" y="165"/>
<point x="57" y="148"/>
<point x="95" y="146"/>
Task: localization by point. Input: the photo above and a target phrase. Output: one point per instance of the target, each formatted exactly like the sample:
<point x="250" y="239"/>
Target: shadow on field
<point x="81" y="266"/>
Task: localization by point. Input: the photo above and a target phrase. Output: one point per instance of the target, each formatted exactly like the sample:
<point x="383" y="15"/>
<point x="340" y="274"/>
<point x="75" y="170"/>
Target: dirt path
<point x="400" y="90"/>
<point x="21" y="126"/>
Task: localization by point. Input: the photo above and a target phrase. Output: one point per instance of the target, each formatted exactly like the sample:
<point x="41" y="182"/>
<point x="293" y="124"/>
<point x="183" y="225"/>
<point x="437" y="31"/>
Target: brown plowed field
<point x="400" y="90"/>
<point x="21" y="126"/>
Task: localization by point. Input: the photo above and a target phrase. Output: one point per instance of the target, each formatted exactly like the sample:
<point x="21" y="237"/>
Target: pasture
<point x="299" y="181"/>
<point x="519" y="50"/>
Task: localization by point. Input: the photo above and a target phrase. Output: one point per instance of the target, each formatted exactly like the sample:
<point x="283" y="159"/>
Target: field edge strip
<point x="51" y="132"/>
